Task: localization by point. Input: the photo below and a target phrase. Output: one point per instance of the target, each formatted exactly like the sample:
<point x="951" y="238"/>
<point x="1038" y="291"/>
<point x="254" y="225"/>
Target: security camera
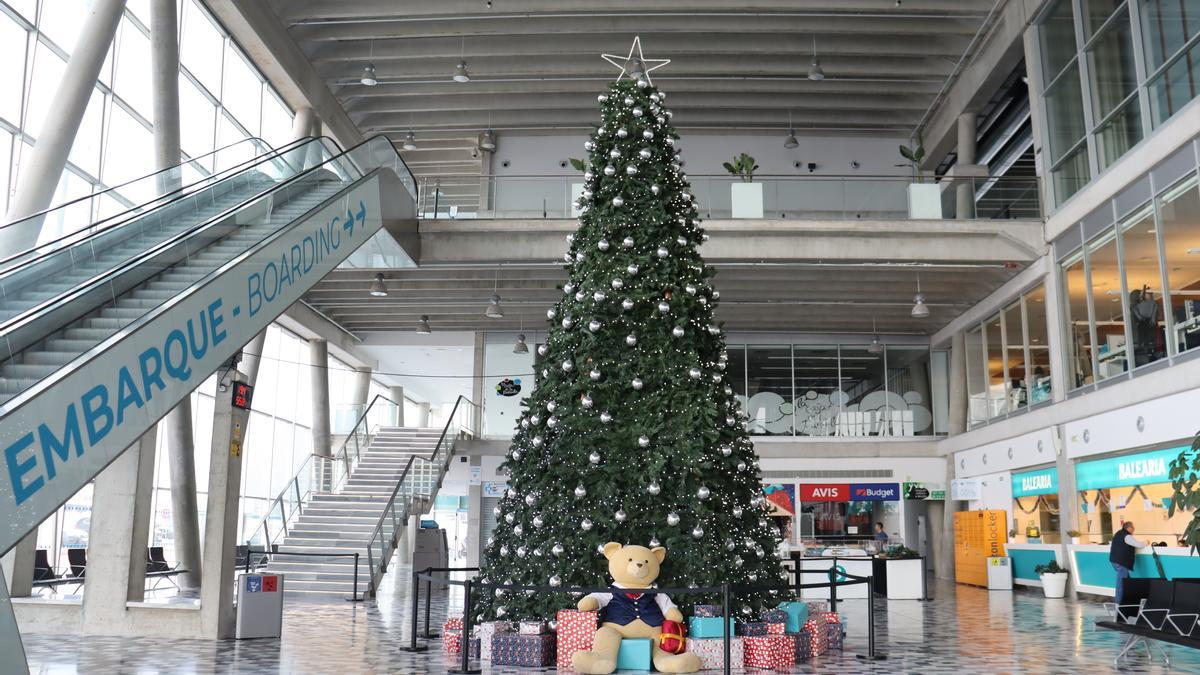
<point x="812" y="166"/>
<point x="505" y="163"/>
<point x="854" y="164"/>
<point x="562" y="163"/>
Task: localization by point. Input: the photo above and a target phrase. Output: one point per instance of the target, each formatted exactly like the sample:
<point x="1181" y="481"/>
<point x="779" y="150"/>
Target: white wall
<point x="995" y="493"/>
<point x="500" y="413"/>
<point x="1160" y="421"/>
<point x="1031" y="449"/>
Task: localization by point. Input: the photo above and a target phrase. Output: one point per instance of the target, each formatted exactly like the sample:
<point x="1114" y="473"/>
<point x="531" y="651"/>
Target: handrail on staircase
<point x="310" y="479"/>
<point x="392" y="511"/>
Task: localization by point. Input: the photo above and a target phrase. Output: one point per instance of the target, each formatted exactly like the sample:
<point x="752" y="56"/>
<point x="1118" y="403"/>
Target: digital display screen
<point x="242" y="393"/>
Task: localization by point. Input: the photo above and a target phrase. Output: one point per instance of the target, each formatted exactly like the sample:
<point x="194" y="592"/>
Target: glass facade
<point x="824" y="390"/>
<point x="1008" y="359"/>
<point x="1133" y="289"/>
<point x="1111" y="72"/>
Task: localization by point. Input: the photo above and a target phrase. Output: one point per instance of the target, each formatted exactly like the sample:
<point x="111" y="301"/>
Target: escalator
<point x="105" y="330"/>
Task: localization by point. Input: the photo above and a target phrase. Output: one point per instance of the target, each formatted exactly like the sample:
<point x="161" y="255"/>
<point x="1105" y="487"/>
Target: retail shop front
<point x="1035" y="538"/>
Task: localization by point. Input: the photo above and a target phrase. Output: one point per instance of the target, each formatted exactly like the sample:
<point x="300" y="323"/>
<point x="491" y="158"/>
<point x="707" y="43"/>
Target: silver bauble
<point x="567" y="322"/>
<point x="599" y="296"/>
<point x="503" y="551"/>
<point x="643" y="441"/>
<point x="605" y="417"/>
<point x="631" y="340"/>
<point x="678" y="331"/>
<point x="617" y="284"/>
<point x="586" y="194"/>
<point x="580" y="492"/>
<point x="557" y="549"/>
<point x="618" y="202"/>
<point x="516" y="455"/>
<point x="538" y="521"/>
<point x="496" y="510"/>
<point x="654" y="488"/>
<point x="610" y="170"/>
<point x="753" y="576"/>
<point x="535" y="419"/>
<point x="627" y="304"/>
<point x="764" y="523"/>
<point x="614" y="153"/>
<point x="568" y="288"/>
<point x="594" y="458"/>
<point x="715" y="294"/>
<point x="508" y="518"/>
<point x="627" y="242"/>
<point x="510" y="493"/>
<point x="698" y="532"/>
<point x="551" y="405"/>
<point x="738" y="562"/>
<point x="601" y="131"/>
<point x="655" y="98"/>
<point x="622" y="133"/>
<point x="537" y="441"/>
<point x="682" y="242"/>
<point x="628" y="100"/>
<point x="586" y="401"/>
<point x="552" y="421"/>
<point x="631" y="170"/>
<point x="551" y="313"/>
<point x="593" y="325"/>
<point x="632" y="269"/>
<point x="602" y="244"/>
<point x="644" y="153"/>
<point x="662" y="252"/>
<point x="580" y="256"/>
<point x="588" y="145"/>
<point x="654" y="542"/>
<point x="525" y="424"/>
<point x="730" y="420"/>
<point x="620" y="515"/>
<point x="541" y="350"/>
<point x="737" y="512"/>
<point x="741" y="466"/>
<point x="555" y="580"/>
<point x="663" y="307"/>
<point x="530" y="499"/>
<point x="567" y="366"/>
<point x="521" y="550"/>
<point x="726" y="450"/>
<point x="585" y="524"/>
<point x="642" y="84"/>
<point x="636" y="383"/>
<point x="703" y="493"/>
<point x="655" y="189"/>
<point x="637" y="112"/>
<point x="669" y="140"/>
<point x="758" y="551"/>
<point x="603" y="98"/>
<point x="730" y="544"/>
<point x="587" y="177"/>
<point x="694" y="373"/>
<point x="690" y="289"/>
<point x="648" y="135"/>
<point x="716" y="377"/>
<point x="594" y="374"/>
<point x="714" y="330"/>
<point x="672" y="519"/>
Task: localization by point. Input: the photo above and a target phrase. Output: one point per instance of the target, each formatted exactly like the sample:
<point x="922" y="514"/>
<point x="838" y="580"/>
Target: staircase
<point x="342" y="522"/>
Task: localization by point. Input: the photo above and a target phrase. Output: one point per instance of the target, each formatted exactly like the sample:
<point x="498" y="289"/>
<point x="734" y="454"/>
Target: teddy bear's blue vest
<point x="623" y="610"/>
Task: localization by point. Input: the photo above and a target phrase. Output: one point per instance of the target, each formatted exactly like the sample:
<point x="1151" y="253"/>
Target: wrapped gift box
<point x="796" y="614"/>
<point x="475" y="645"/>
<point x="774" y="616"/>
<point x="753" y="629"/>
<point x="486" y="631"/>
<point x="709" y="627"/>
<point x="817" y="606"/>
<point x="833" y="635"/>
<point x="576" y="631"/>
<point x="532" y="628"/>
<point x="818" y="636"/>
<point x="712" y="652"/>
<point x="776" y="628"/>
<point x="455" y="622"/>
<point x="635" y="654"/>
<point x="531" y="651"/>
<point x="452" y="641"/>
<point x="803" y="647"/>
<point x="707" y="610"/>
<point x="770" y="651"/>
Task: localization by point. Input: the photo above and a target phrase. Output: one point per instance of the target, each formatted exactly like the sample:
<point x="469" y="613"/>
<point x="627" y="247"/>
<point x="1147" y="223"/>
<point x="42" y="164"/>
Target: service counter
<point x="1093" y="572"/>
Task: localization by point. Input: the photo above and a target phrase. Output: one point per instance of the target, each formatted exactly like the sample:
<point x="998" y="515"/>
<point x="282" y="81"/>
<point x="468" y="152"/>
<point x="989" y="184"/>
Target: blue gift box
<point x="774" y="616"/>
<point x="753" y="629"/>
<point x="708" y="627"/>
<point x="534" y="651"/>
<point x="833" y="632"/>
<point x="707" y="610"/>
<point x="803" y="647"/>
<point x="635" y="654"/>
<point x="797" y="614"/>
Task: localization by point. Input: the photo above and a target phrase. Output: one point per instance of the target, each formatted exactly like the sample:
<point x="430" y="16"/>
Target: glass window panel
<point x="131" y="79"/>
<point x="1107" y="307"/>
<point x="85" y="151"/>
<point x="71" y="218"/>
<point x="63" y="21"/>
<point x="1110" y="61"/>
<point x="140" y="9"/>
<point x="1057" y="36"/>
<point x="129" y="154"/>
<point x="202" y="418"/>
<point x="1014" y="358"/>
<point x="1064" y="114"/>
<point x="1121" y="132"/>
<point x="1139" y="244"/>
<point x="1098" y="11"/>
<point x="201" y="46"/>
<point x="1071" y="174"/>
<point x="12" y="53"/>
<point x="242" y="92"/>
<point x="257" y="468"/>
<point x="909" y="396"/>
<point x="1166" y="26"/>
<point x="47" y="73"/>
<point x="1080" y="351"/>
<point x="1039" y="345"/>
<point x="863" y="391"/>
<point x="227" y="134"/>
<point x="197" y="119"/>
<point x="1179" y="213"/>
<point x="997" y="387"/>
<point x="818" y="396"/>
<point x="769" y="387"/>
<point x="276" y="121"/>
<point x="280" y="463"/>
<point x="976" y="377"/>
<point x="26" y="8"/>
<point x="1175" y="87"/>
<point x="735" y="372"/>
<point x="6" y="142"/>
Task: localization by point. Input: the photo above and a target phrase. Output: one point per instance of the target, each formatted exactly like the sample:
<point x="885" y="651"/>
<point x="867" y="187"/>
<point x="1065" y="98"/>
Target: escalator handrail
<point x="37" y="311"/>
<point x="131" y="181"/>
<point x="125" y="217"/>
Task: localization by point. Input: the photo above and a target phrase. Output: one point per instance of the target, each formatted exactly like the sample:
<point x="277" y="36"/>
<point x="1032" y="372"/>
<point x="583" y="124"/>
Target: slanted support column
<point x="965" y="190"/>
<point x="117" y="543"/>
<point x="362" y="389"/>
<point x="164" y="80"/>
<point x="397" y="394"/>
<point x="185" y="515"/>
<point x="302" y="123"/>
<point x="221" y="524"/>
<point x="318" y="359"/>
<point x="18" y="566"/>
<point x="44" y="166"/>
<point x="423" y="415"/>
<point x="12" y="652"/>
<point x="252" y="355"/>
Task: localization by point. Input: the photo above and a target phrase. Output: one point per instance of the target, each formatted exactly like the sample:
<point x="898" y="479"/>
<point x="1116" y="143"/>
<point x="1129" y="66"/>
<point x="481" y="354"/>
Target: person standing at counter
<point x="880" y="535"/>
<point x="1121" y="553"/>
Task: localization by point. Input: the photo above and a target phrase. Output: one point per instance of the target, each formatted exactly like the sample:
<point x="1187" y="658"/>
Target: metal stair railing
<point x="416" y="489"/>
<point x="319" y="474"/>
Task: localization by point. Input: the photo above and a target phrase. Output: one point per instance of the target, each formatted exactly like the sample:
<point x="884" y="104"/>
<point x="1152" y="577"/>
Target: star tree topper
<point x="632" y="65"/>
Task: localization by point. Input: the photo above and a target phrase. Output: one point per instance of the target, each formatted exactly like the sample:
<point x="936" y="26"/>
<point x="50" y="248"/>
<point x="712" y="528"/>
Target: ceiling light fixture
<point x="520" y="347"/>
<point x="460" y="71"/>
<point x="790" y="142"/>
<point x="493" y="309"/>
<point x="368" y="76"/>
<point x="814" y="71"/>
<point x="410" y="141"/>
<point x="920" y="310"/>
<point x="876" y="347"/>
<point x="378" y="288"/>
<point x="423" y="325"/>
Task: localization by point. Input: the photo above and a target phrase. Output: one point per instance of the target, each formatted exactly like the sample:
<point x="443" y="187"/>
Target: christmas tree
<point x="632" y="433"/>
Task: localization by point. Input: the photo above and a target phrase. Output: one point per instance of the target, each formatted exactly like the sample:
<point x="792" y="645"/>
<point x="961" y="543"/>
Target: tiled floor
<point x="962" y="631"/>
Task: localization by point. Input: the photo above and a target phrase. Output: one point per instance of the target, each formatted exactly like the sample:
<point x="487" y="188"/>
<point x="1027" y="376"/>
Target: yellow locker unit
<point x="978" y="535"/>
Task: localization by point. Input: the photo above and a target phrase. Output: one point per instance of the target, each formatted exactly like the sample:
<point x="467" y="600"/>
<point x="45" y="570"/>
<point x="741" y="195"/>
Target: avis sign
<point x="825" y="492"/>
<point x="89" y="412"/>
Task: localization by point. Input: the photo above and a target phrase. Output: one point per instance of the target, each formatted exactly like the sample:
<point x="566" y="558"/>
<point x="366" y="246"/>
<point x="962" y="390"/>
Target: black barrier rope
<point x="726" y="591"/>
<point x="354" y="597"/>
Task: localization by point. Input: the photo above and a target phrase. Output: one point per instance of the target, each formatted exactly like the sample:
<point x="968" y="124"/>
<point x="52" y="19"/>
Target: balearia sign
<point x="1040" y="482"/>
<point x="1141" y="469"/>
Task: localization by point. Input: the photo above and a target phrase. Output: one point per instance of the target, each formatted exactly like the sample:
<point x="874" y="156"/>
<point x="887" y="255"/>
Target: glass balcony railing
<point x="725" y="197"/>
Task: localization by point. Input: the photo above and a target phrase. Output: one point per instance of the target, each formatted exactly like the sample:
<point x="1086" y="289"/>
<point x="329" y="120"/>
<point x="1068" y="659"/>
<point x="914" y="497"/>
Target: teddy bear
<point x="632" y="610"/>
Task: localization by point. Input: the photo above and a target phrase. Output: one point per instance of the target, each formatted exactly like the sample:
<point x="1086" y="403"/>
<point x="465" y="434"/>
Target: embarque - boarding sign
<point x="88" y="413"/>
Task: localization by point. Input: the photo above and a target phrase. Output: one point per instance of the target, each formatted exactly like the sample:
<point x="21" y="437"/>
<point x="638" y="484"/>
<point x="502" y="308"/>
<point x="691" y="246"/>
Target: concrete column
<point x="362" y="389"/>
<point x="164" y="82"/>
<point x="44" y="165"/>
<point x="965" y="190"/>
<point x="944" y="562"/>
<point x="397" y="394"/>
<point x="18" y="566"/>
<point x="221" y="524"/>
<point x="119" y="530"/>
<point x="474" y="534"/>
<point x="957" y="421"/>
<point x="12" y="652"/>
<point x="252" y="355"/>
<point x="1057" y="334"/>
<point x="185" y="516"/>
<point x="480" y="359"/>
<point x="423" y="415"/>
<point x="318" y="359"/>
<point x="302" y="123"/>
<point x="1068" y="503"/>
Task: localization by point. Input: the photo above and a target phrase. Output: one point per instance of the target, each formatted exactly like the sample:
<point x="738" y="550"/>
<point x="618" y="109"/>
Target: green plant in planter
<point x="1185" y="470"/>
<point x="913" y="157"/>
<point x="900" y="553"/>
<point x="1072" y="533"/>
<point x="577" y="164"/>
<point x="1051" y="567"/>
<point x="743" y="167"/>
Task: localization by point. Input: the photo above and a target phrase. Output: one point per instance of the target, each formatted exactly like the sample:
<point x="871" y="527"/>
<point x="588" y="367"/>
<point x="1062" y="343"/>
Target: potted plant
<point x="1054" y="579"/>
<point x="924" y="199"/>
<point x="1074" y="535"/>
<point x="746" y="197"/>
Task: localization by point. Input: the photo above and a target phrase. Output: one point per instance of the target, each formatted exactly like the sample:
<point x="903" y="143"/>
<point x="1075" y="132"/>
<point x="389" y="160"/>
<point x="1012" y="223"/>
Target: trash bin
<point x="999" y="573"/>
<point x="259" y="606"/>
<point x="430" y="550"/>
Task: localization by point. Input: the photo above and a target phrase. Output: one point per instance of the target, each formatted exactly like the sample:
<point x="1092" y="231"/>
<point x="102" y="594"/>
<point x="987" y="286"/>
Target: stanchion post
<point x="249" y="551"/>
<point x="727" y="609"/>
<point x="465" y="664"/>
<point x="416" y="608"/>
<point x="833" y="575"/>
<point x="354" y="594"/>
<point x="428" y="601"/>
<point x="871" y="622"/>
